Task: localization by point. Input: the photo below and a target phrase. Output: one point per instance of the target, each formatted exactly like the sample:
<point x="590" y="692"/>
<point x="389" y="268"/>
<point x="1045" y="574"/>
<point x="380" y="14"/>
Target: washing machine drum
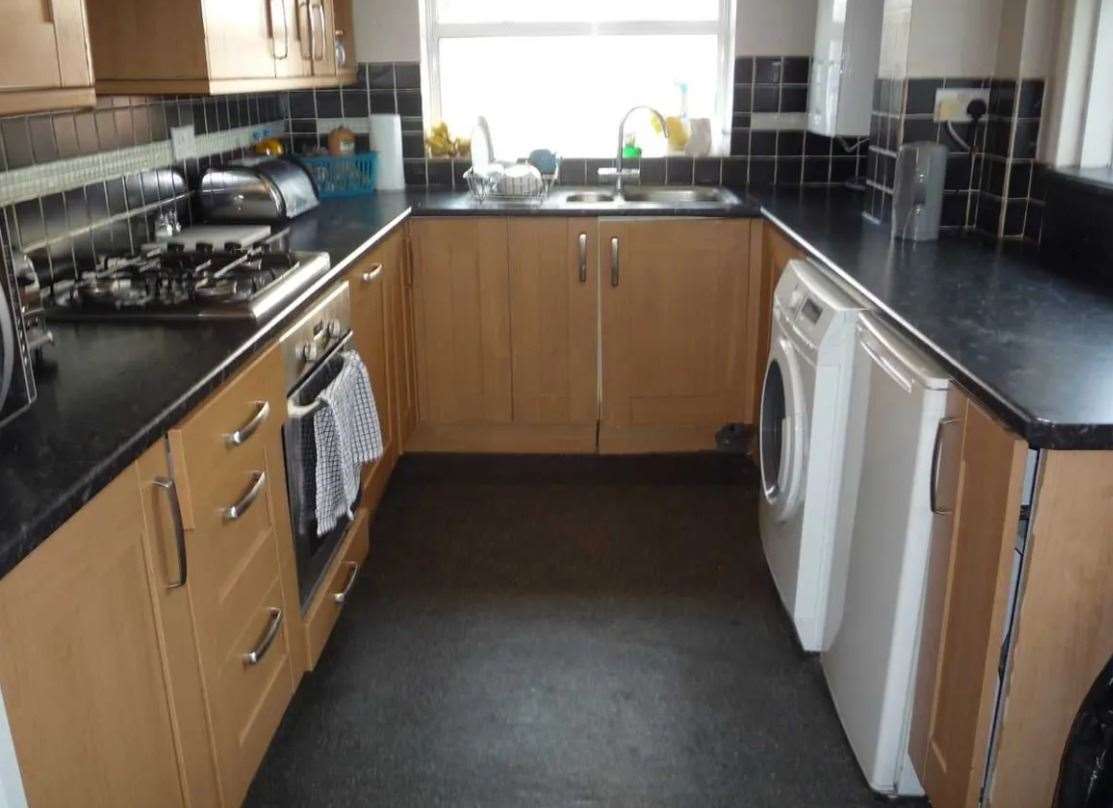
<point x="781" y="438"/>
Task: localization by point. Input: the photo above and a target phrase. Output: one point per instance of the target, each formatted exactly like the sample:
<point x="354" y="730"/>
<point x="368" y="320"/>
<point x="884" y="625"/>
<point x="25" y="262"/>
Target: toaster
<point x="258" y="189"/>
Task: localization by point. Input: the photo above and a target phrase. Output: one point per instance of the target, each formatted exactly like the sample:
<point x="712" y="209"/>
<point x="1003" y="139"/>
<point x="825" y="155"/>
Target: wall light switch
<point x="183" y="142"/>
<point x="950" y="105"/>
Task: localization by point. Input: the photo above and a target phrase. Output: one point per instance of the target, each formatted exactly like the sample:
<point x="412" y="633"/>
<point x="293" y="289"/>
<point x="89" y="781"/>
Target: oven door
<point x="313" y="552"/>
<point x="17" y="383"/>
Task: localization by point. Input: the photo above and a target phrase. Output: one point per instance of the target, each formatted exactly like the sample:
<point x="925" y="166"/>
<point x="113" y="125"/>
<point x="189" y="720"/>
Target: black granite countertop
<point x="107" y="392"/>
<point x="1033" y="345"/>
<point x="447" y="203"/>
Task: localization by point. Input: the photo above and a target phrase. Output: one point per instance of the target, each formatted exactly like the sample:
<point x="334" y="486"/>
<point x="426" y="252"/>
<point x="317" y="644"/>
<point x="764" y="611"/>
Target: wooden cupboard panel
<point x="1064" y="634"/>
<point x="503" y="438"/>
<point x="44" y="45"/>
<point x="177" y="636"/>
<point x="239" y="39"/>
<point x="367" y="280"/>
<point x="290" y="29"/>
<point x="974" y="613"/>
<point x="776" y="250"/>
<point x="401" y="324"/>
<point x="462" y="320"/>
<point x="247" y="701"/>
<point x="146" y="39"/>
<point x="324" y="610"/>
<point x="82" y="670"/>
<point x="322" y="23"/>
<point x="553" y="314"/>
<point x="675" y="327"/>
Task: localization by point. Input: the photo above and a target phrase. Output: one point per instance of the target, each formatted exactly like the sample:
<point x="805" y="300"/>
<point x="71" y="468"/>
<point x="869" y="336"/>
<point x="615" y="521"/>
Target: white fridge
<point x="885" y="527"/>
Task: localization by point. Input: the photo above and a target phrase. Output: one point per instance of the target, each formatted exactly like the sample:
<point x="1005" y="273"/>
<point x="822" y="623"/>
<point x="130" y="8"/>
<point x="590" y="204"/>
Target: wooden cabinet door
<point x="344" y="23"/>
<point x="322" y="27"/>
<point x="290" y="24"/>
<point x="965" y="610"/>
<point x="553" y="316"/>
<point x="44" y="45"/>
<point x="242" y="580"/>
<point x="239" y="39"/>
<point x="82" y="669"/>
<point x="399" y="293"/>
<point x="462" y="320"/>
<point x="367" y="282"/>
<point x="674" y="325"/>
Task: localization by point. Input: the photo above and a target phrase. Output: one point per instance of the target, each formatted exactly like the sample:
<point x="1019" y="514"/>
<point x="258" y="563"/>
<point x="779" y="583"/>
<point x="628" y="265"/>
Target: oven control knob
<point x="310" y="352"/>
<point x="335" y="329"/>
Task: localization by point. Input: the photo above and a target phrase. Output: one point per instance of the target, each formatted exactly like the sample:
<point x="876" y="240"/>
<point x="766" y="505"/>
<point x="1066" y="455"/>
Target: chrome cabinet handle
<point x="341" y="51"/>
<point x="583" y="257"/>
<point x="167" y="485"/>
<point x="255" y="656"/>
<point x="369" y="276"/>
<point x="315" y="30"/>
<point x="234" y="512"/>
<point x="304" y="48"/>
<point x="241" y="435"/>
<point x="340" y="597"/>
<point x="614" y="261"/>
<point x="936" y="451"/>
<point x="285" y="31"/>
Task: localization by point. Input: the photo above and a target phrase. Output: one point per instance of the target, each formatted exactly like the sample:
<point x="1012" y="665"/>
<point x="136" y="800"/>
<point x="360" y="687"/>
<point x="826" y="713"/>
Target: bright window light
<point x="561" y="75"/>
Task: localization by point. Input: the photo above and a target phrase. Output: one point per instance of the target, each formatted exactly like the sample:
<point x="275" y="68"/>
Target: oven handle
<point x="7" y="346"/>
<point x="295" y="410"/>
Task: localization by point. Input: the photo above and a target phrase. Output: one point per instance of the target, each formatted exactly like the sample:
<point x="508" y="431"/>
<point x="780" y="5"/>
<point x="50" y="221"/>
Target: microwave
<point x="17" y="380"/>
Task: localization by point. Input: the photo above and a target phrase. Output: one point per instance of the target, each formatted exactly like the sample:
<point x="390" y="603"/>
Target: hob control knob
<point x="335" y="329"/>
<point x="310" y="352"/>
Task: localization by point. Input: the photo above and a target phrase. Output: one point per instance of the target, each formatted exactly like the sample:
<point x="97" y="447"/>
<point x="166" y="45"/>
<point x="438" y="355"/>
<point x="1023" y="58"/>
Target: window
<point x="560" y="75"/>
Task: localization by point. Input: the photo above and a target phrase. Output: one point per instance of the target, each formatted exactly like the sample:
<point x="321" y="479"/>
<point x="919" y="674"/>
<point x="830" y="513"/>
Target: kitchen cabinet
<point x="966" y="605"/>
<point x="324" y="609"/>
<point x="771" y="252"/>
<point x="44" y="56"/>
<point x="675" y="337"/>
<point x="214" y="46"/>
<point x="230" y="480"/>
<point x="82" y="669"/>
<point x="462" y="325"/>
<point x="554" y="338"/>
<point x="367" y="284"/>
<point x="400" y="327"/>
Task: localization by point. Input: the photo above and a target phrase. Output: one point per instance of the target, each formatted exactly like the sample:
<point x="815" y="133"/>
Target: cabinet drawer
<point x="324" y="609"/>
<point x="249" y="698"/>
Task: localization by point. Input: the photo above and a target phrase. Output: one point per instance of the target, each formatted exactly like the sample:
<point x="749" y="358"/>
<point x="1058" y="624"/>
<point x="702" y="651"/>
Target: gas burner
<point x="175" y="283"/>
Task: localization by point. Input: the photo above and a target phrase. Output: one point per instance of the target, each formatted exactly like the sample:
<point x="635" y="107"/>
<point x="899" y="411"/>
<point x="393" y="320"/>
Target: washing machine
<point x="804" y="405"/>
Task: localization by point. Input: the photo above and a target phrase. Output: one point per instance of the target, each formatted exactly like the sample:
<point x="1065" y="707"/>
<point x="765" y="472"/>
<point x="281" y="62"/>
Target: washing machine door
<point x="781" y="440"/>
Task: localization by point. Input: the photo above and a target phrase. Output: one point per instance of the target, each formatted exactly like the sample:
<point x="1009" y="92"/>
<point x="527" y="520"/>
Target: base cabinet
<point x="82" y="670"/>
<point x="675" y="332"/>
<point x="538" y="334"/>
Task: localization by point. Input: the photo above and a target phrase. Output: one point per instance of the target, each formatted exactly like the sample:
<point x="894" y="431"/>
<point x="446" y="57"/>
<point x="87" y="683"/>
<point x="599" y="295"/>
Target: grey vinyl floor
<point x="564" y="632"/>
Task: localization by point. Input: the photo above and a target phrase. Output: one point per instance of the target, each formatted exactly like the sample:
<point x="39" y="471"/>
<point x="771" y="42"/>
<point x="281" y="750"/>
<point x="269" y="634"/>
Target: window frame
<point x="722" y="28"/>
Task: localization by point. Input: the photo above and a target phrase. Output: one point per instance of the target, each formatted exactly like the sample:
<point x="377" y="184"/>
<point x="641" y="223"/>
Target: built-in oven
<point x="17" y="380"/>
<point x="312" y="353"/>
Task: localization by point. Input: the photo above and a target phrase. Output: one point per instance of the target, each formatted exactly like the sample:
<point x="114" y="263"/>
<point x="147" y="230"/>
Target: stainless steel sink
<point x="678" y="196"/>
<point x="590" y="196"/>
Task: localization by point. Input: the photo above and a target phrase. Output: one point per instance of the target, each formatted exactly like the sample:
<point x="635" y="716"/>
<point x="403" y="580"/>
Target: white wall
<point x="389" y="31"/>
<point x="775" y="27"/>
<point x="954" y="37"/>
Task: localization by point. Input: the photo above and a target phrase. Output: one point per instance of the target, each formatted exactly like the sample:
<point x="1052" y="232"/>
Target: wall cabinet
<point x="44" y="56"/>
<point x="215" y="46"/>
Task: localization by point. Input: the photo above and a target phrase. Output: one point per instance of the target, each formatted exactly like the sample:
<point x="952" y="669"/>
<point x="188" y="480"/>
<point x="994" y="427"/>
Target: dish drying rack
<point x="486" y="188"/>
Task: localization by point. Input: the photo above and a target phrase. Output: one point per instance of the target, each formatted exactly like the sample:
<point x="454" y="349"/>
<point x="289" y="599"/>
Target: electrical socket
<point x="183" y="142"/>
<point x="951" y="104"/>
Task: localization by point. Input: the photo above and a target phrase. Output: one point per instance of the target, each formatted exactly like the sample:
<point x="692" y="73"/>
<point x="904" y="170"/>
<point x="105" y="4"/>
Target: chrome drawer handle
<point x="255" y="656"/>
<point x="234" y="512"/>
<point x="240" y="436"/>
<point x="933" y="483"/>
<point x="339" y="598"/>
<point x="614" y="262"/>
<point x="167" y="485"/>
<point x="369" y="276"/>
